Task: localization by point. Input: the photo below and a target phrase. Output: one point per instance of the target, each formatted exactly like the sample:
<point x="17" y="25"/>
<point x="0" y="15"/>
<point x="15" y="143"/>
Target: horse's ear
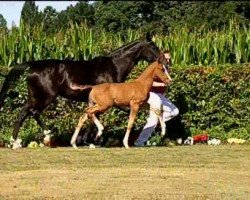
<point x="149" y="36"/>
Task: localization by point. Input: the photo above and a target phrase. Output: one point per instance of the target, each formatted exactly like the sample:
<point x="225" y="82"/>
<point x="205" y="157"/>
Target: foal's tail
<point x="10" y="78"/>
<point x="75" y="86"/>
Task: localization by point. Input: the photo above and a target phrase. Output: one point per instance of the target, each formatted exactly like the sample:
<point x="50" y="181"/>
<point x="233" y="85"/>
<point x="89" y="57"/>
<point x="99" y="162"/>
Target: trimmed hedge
<point x="215" y="100"/>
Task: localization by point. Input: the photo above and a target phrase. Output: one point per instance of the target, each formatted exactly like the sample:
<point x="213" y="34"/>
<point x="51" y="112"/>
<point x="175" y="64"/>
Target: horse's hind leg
<point x="34" y="108"/>
<point x="81" y="121"/>
<point x="133" y="112"/>
<point x="24" y="113"/>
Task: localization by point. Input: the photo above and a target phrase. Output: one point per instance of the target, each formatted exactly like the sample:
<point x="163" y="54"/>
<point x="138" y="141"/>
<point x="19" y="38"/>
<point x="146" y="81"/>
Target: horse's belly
<point x="75" y="95"/>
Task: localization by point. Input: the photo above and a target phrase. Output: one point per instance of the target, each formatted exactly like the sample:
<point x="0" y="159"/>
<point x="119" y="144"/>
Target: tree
<point x="82" y="12"/>
<point x="3" y="22"/>
<point x="116" y="16"/>
<point x="49" y="16"/>
<point x="30" y="15"/>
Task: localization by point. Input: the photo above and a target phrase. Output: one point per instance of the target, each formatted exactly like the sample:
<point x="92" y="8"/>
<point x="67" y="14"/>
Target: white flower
<point x="33" y="144"/>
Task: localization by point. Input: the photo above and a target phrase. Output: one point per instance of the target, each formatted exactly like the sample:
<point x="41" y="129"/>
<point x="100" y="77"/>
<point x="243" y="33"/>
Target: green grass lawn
<point x="180" y="172"/>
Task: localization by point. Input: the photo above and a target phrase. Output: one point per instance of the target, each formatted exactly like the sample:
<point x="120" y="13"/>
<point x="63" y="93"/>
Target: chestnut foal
<point x="133" y="94"/>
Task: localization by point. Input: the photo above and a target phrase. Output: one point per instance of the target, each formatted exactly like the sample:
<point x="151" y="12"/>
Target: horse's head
<point x="150" y="52"/>
<point x="161" y="73"/>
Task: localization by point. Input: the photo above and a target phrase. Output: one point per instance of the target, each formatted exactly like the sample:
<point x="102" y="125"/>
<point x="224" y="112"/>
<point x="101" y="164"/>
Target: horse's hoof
<point x="16" y="146"/>
<point x="47" y="140"/>
<point x="179" y="141"/>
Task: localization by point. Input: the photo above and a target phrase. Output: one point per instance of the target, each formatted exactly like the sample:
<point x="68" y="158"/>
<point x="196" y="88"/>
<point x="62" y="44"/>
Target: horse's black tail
<point x="13" y="75"/>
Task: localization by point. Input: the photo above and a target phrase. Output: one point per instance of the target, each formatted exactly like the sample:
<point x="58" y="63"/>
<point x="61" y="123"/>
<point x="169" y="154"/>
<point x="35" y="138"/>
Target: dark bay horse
<point x="47" y="79"/>
<point x="133" y="94"/>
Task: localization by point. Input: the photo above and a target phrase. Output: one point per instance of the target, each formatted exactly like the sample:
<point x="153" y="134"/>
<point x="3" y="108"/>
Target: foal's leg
<point x="133" y="112"/>
<point x="163" y="125"/>
<point x="99" y="126"/>
<point x="81" y="121"/>
<point x="92" y="111"/>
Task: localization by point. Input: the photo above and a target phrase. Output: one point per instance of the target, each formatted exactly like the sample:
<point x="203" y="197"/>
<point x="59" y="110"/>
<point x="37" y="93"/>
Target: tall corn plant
<point x="188" y="47"/>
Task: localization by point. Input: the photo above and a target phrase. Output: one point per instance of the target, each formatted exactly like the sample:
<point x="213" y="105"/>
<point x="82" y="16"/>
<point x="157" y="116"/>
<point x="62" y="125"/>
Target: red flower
<point x="200" y="138"/>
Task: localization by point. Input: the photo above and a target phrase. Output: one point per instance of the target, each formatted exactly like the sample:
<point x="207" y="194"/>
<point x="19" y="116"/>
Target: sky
<point x="11" y="10"/>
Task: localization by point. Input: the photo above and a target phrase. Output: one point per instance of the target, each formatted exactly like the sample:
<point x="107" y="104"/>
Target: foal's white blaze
<point x="167" y="74"/>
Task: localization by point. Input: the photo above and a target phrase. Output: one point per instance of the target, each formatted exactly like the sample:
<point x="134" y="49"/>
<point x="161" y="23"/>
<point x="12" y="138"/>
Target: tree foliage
<point x="3" y="22"/>
<point x="158" y="16"/>
<point x="30" y="14"/>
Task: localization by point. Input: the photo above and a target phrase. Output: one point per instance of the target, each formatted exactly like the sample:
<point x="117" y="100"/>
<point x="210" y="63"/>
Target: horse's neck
<point x="126" y="60"/>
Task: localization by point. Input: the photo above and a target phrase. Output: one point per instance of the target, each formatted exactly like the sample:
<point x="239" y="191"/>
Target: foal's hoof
<point x="163" y="133"/>
<point x="74" y="146"/>
<point x="92" y="146"/>
<point x="126" y="145"/>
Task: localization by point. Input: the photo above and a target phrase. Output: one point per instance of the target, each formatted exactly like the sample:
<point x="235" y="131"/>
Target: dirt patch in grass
<point x="181" y="172"/>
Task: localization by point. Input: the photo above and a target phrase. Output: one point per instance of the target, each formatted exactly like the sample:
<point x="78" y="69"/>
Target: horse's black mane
<point x="125" y="47"/>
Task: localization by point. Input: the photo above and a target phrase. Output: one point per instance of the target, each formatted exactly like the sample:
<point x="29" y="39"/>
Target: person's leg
<point x="169" y="109"/>
<point x="154" y="102"/>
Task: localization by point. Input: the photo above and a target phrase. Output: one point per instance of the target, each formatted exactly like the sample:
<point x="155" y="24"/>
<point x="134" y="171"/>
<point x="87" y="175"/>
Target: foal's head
<point x="161" y="73"/>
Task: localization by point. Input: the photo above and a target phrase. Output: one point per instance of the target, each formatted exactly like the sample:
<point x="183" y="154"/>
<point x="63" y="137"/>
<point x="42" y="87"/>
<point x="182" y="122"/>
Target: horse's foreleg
<point x="133" y="112"/>
<point x="44" y="127"/>
<point x="82" y="119"/>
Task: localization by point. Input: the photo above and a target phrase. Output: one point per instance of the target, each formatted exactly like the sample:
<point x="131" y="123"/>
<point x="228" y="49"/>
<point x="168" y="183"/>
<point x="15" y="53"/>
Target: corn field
<point x="188" y="47"/>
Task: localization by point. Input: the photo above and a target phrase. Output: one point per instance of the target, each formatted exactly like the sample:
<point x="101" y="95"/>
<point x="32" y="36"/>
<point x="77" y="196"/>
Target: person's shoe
<point x="137" y="144"/>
